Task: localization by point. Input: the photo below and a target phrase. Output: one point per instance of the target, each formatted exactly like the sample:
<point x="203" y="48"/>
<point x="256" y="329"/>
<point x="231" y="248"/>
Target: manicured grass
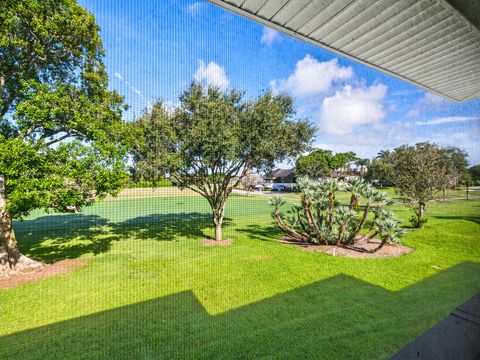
<point x="151" y="290"/>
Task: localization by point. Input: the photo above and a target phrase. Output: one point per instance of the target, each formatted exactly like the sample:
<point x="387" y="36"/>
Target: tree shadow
<point x="167" y="227"/>
<point x="262" y="233"/>
<point x="55" y="237"/>
<point x="472" y="218"/>
<point x="337" y="318"/>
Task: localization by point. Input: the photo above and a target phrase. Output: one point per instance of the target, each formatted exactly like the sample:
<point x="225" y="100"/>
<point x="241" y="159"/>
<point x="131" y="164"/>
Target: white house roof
<point x="434" y="44"/>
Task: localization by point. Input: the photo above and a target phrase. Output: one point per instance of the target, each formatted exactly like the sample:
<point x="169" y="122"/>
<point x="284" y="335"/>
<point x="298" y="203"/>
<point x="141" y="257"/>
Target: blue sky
<point x="154" y="48"/>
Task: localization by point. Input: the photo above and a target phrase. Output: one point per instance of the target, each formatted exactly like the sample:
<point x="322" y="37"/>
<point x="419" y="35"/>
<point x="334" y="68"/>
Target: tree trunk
<point x="218" y="231"/>
<point x="307" y="210"/>
<point x="421" y="214"/>
<point x="468" y="192"/>
<point x="290" y="231"/>
<point x="331" y="204"/>
<point x="218" y="221"/>
<point x="11" y="259"/>
<point x="341" y="232"/>
<point x="381" y="245"/>
<point x="364" y="219"/>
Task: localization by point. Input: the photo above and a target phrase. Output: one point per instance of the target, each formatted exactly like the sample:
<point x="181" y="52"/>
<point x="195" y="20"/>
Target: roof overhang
<point x="434" y="44"/>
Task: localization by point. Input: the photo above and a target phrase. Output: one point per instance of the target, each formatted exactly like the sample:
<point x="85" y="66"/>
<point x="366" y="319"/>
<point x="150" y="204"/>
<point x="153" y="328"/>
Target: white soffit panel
<point x="434" y="44"/>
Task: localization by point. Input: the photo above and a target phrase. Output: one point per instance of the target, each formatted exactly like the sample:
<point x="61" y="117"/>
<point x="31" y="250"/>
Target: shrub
<point x="150" y="184"/>
<point x="320" y="219"/>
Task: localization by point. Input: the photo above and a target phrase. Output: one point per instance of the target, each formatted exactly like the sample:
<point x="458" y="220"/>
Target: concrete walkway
<point x="455" y="337"/>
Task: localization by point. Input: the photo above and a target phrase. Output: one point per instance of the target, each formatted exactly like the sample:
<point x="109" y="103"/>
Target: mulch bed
<point x="388" y="251"/>
<point x="40" y="273"/>
<point x="212" y="242"/>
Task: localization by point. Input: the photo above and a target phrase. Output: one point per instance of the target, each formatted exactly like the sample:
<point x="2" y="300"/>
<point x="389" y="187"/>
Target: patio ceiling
<point x="434" y="44"/>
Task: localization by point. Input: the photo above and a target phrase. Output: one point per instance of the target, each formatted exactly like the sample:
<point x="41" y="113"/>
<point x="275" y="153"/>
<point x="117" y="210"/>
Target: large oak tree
<point x="214" y="138"/>
<point x="62" y="138"/>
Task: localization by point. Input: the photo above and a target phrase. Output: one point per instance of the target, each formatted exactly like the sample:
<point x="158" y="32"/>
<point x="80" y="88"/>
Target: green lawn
<point x="150" y="290"/>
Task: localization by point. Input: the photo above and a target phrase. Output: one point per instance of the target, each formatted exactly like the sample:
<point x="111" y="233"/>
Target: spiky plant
<point x="320" y="219"/>
<point x="389" y="231"/>
<point x="354" y="185"/>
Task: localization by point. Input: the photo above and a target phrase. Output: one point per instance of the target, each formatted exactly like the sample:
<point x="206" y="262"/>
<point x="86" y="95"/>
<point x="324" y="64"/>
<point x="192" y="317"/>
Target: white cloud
<point x="212" y="74"/>
<point x="433" y="100"/>
<point x="429" y="102"/>
<point x="352" y="107"/>
<point x="119" y="76"/>
<point x="447" y="120"/>
<point x="194" y="8"/>
<point x="269" y="36"/>
<point x="312" y="77"/>
<point x="138" y="92"/>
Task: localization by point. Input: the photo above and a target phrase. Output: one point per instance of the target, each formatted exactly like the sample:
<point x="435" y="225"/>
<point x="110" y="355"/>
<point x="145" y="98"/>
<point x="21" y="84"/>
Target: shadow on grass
<point x="475" y="219"/>
<point x="340" y="317"/>
<point x="167" y="227"/>
<point x="263" y="233"/>
<point x="56" y="237"/>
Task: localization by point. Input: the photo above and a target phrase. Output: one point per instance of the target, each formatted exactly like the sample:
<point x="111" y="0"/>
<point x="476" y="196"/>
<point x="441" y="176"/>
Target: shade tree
<point x="214" y="138"/>
<point x="62" y="139"/>
<point x="420" y="172"/>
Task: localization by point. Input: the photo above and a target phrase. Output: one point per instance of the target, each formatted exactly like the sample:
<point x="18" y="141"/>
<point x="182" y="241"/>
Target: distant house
<point x="281" y="180"/>
<point x="251" y="181"/>
<point x="341" y="173"/>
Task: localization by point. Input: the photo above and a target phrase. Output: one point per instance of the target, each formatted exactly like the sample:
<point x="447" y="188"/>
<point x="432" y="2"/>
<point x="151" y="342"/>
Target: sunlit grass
<point x="255" y="297"/>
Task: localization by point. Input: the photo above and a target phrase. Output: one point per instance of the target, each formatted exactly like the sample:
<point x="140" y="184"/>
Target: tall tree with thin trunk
<point x="62" y="139"/>
<point x="211" y="141"/>
<point x="420" y="172"/>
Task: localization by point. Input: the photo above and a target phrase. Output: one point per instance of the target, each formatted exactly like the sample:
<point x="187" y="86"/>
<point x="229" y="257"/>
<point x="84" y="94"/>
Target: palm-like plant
<point x="330" y="187"/>
<point x="383" y="154"/>
<point x="389" y="231"/>
<point x="355" y="185"/>
<point x="344" y="218"/>
<point x="319" y="219"/>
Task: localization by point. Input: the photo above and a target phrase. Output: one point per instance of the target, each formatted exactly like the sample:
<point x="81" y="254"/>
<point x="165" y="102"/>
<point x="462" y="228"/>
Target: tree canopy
<point x="214" y="138"/>
<point x="320" y="163"/>
<point x="380" y="171"/>
<point x="474" y="172"/>
<point x="62" y="138"/>
<point x="419" y="173"/>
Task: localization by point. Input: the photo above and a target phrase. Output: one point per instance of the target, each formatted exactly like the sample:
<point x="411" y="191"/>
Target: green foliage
<point x="417" y="220"/>
<point x="474" y="172"/>
<point x="214" y="138"/>
<point x="62" y="140"/>
<point x="320" y="163"/>
<point x="321" y="220"/>
<point x="54" y="41"/>
<point x="150" y="184"/>
<point x="456" y="165"/>
<point x="421" y="171"/>
<point x="381" y="171"/>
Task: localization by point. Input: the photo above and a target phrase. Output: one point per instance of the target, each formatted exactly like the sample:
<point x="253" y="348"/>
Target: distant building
<point x="281" y="180"/>
<point x="341" y="173"/>
<point x="252" y="181"/>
